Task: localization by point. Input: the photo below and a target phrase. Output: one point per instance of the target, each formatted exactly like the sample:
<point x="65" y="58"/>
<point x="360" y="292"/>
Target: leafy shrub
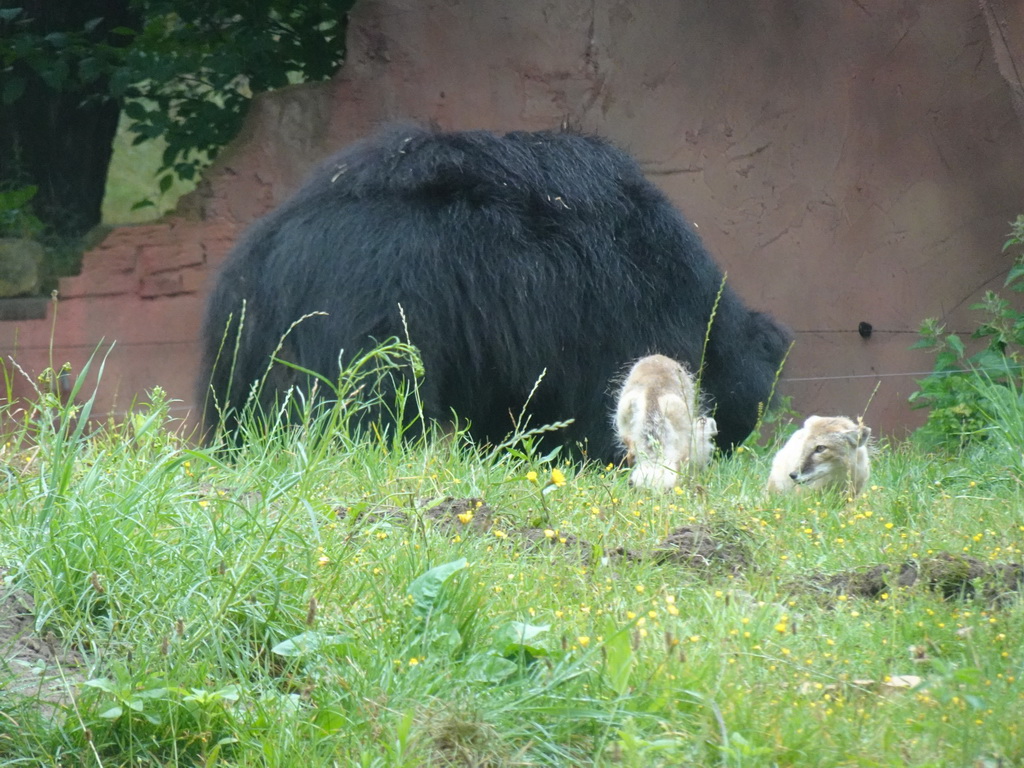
<point x="959" y="407"/>
<point x="16" y="217"/>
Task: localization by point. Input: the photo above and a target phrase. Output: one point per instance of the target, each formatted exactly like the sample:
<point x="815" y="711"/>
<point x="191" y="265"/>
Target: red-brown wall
<point x="845" y="161"/>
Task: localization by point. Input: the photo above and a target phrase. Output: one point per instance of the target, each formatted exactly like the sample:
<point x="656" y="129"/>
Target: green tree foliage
<point x="957" y="390"/>
<point x="183" y="70"/>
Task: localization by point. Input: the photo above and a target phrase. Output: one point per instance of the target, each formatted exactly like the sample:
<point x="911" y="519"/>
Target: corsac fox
<point x="659" y="423"/>
<point x="827" y="452"/>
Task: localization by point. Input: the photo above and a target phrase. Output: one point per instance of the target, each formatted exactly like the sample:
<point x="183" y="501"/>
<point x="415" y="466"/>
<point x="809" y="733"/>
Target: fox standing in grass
<point x="659" y="423"/>
<point x="827" y="452"/>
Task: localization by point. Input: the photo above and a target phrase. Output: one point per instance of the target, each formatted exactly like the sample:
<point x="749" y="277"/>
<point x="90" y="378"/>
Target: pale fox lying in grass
<point x="659" y="424"/>
<point x="827" y="452"/>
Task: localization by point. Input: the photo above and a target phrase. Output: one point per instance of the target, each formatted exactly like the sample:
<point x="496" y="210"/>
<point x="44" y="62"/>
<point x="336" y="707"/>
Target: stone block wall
<point x="135" y="309"/>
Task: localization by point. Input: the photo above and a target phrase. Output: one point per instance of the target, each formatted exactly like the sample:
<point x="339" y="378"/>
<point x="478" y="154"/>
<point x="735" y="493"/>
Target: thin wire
<point x="995" y="371"/>
<point x="873" y="331"/>
<point x="787" y="380"/>
<point x="29" y="347"/>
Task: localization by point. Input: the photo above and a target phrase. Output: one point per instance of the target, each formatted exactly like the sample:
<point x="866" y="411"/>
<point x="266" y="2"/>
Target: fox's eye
<point x="820" y="449"/>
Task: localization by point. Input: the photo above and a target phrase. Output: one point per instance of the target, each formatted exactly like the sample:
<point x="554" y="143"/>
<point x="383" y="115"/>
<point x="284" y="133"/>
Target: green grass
<point x="256" y="613"/>
<point x="132" y="177"/>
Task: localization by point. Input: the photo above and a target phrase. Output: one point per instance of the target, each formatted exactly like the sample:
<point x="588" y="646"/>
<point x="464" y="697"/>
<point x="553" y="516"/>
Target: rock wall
<point x="134" y="310"/>
<point x="847" y="162"/>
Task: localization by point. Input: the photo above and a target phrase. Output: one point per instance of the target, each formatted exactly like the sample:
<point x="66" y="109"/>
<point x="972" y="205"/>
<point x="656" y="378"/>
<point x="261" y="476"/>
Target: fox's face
<point x="829" y="456"/>
<point x="702" y="440"/>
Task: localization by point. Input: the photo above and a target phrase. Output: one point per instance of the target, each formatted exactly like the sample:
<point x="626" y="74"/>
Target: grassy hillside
<point x="358" y="601"/>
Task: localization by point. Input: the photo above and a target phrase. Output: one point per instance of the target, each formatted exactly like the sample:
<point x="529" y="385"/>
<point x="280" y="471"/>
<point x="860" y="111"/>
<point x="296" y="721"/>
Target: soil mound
<point x="33" y="666"/>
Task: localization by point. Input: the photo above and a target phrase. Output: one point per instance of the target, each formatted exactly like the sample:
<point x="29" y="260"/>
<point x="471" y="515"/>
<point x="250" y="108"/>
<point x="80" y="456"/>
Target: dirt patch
<point x="700" y="546"/>
<point x="450" y="514"/>
<point x="33" y="666"/>
<point x="456" y="514"/>
<point x="539" y="539"/>
<point x="695" y="546"/>
<point x="953" y="576"/>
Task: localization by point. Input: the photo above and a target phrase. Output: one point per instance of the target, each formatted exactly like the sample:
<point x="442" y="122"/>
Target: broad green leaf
<point x="968" y="675"/>
<point x="427" y="587"/>
<point x="152" y="693"/>
<point x="102" y="683"/>
<point x="946" y="360"/>
<point x="90" y="68"/>
<point x="954" y="341"/>
<point x="1016" y="272"/>
<point x="489" y="667"/>
<point x="549" y="457"/>
<point x="308" y="642"/>
<point x="14" y="199"/>
<point x="990" y="361"/>
<point x="201" y="696"/>
<point x="112" y="714"/>
<point x="145" y="203"/>
<point x="229" y="693"/>
<point x="517" y="637"/>
<point x="443" y="634"/>
<point x="404" y="727"/>
<point x="330" y="720"/>
<point x="135" y="110"/>
<point x="619" y="661"/>
<point x="57" y="39"/>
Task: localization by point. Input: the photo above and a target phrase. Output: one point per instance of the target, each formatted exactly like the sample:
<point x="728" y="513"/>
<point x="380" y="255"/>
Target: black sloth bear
<point x="509" y="255"/>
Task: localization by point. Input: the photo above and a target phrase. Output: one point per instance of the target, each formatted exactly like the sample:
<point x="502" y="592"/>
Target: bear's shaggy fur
<point x="509" y="255"/>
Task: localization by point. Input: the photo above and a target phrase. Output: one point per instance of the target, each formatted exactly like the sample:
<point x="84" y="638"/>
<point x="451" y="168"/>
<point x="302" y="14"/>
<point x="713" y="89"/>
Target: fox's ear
<point x="628" y="410"/>
<point x="865" y="435"/>
<point x="852" y="436"/>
